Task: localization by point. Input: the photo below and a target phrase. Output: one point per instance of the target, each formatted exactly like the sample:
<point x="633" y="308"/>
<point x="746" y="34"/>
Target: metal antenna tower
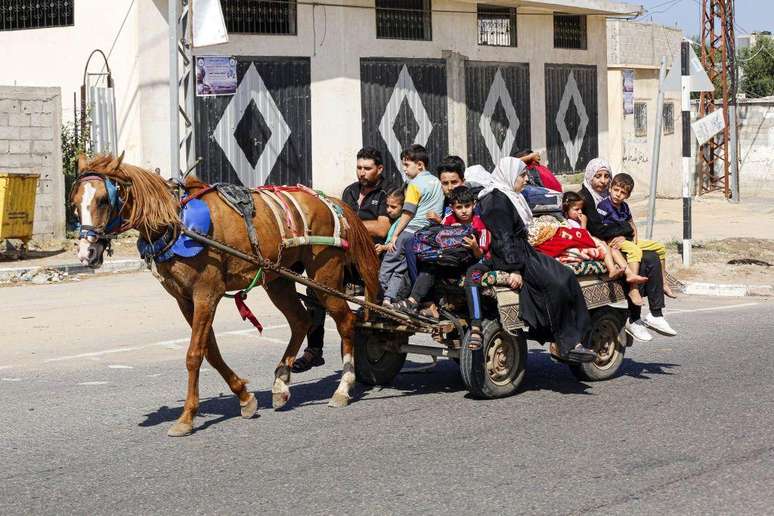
<point x="717" y="56"/>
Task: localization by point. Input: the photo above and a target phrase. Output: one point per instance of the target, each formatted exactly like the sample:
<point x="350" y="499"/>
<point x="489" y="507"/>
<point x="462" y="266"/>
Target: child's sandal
<point x="475" y="340"/>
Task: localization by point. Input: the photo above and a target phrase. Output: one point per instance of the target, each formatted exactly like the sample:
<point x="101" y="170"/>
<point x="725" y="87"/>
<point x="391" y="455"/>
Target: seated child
<point x="615" y="209"/>
<point x="572" y="207"/>
<point x="423" y="195"/>
<point x="394" y="202"/>
<point x="462" y="202"/>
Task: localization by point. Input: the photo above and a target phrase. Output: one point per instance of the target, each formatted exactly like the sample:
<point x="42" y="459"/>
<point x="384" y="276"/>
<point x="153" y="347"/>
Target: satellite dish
<point x="209" y="26"/>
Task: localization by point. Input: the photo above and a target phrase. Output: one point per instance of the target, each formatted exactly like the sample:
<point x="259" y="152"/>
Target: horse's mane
<point x="152" y="208"/>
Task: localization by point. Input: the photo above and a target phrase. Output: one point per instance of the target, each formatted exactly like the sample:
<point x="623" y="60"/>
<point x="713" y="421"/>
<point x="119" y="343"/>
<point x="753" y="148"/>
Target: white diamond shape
<point x="252" y="88"/>
<point x="404" y="89"/>
<point x="572" y="147"/>
<point x="498" y="91"/>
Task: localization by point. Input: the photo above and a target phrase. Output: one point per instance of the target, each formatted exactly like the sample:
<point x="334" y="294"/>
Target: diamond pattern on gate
<point x="498" y="91"/>
<point x="252" y="89"/>
<point x="404" y="90"/>
<point x="572" y="146"/>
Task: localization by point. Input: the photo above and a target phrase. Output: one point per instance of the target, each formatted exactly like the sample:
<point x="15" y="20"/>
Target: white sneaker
<point x="638" y="330"/>
<point x="659" y="324"/>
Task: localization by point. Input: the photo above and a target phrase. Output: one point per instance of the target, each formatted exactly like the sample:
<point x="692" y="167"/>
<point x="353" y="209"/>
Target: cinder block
<point x="3" y="119"/>
<point x="3" y="146"/>
<point x="9" y="133"/>
<point x="31" y="106"/>
<point x="48" y="106"/>
<point x="19" y="120"/>
<point x="9" y="106"/>
<point x="35" y="133"/>
<point x="42" y="147"/>
<point x="13" y="161"/>
<point x="19" y="147"/>
<point x="41" y="120"/>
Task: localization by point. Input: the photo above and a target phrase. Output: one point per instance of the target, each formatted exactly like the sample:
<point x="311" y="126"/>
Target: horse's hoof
<point x="249" y="407"/>
<point x="180" y="429"/>
<point x="339" y="400"/>
<point x="279" y="399"/>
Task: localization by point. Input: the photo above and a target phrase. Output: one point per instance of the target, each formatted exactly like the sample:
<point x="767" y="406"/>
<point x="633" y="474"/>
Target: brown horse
<point x="146" y="202"/>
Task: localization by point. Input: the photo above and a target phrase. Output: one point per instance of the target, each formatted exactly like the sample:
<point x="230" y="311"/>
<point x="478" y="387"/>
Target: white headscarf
<point x="503" y="178"/>
<point x="477" y="175"/>
<point x="594" y="166"/>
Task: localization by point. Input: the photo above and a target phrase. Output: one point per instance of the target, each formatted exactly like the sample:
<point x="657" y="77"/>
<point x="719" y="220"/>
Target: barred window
<point x="570" y="31"/>
<point x="404" y="19"/>
<point x="640" y="119"/>
<point x="496" y="26"/>
<point x="669" y="117"/>
<point x="21" y="14"/>
<point x="260" y="16"/>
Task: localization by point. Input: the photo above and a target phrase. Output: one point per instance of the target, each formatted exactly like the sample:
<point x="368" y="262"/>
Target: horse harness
<point x="115" y="224"/>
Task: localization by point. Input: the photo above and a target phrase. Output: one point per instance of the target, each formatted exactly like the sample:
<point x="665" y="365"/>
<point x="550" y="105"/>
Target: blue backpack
<point x="443" y="245"/>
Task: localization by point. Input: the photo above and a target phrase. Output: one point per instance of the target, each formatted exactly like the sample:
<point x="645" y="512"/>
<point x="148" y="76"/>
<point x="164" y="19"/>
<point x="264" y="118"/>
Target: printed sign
<point x="628" y="92"/>
<point x="709" y="126"/>
<point x="215" y="75"/>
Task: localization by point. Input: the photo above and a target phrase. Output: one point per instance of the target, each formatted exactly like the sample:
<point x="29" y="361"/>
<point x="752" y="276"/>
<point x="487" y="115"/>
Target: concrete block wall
<point x="31" y="142"/>
<point x="756" y="145"/>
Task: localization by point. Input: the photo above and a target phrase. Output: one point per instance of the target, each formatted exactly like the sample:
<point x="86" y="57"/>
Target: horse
<point x="111" y="196"/>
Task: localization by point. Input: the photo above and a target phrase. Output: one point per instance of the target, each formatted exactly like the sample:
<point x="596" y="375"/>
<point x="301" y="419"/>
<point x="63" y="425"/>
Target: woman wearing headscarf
<point x="594" y="190"/>
<point x="551" y="302"/>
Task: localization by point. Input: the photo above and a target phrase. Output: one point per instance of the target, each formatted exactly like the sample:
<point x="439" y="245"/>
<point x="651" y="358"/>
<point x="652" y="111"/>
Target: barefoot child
<point x="616" y="209"/>
<point x="394" y="202"/>
<point x="572" y="206"/>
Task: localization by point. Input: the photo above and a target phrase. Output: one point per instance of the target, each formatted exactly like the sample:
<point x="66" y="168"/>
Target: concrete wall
<point x="30" y="142"/>
<point x="756" y="145"/>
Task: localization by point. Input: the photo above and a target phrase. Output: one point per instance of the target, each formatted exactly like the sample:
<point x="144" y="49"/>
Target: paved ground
<point x="92" y="375"/>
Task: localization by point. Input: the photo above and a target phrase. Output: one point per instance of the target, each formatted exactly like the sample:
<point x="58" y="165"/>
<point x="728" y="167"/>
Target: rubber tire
<point x="473" y="364"/>
<point x="380" y="366"/>
<point x="604" y="318"/>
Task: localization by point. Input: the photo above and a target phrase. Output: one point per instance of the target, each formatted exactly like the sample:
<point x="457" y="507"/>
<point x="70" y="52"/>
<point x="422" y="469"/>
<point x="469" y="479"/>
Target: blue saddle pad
<point x="196" y="217"/>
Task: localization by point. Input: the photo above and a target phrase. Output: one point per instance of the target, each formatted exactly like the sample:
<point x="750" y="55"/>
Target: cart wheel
<point x="375" y="362"/>
<point x="497" y="369"/>
<point x="606" y="340"/>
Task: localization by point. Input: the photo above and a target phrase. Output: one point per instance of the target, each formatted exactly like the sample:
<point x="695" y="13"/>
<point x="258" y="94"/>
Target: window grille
<point x="260" y="16"/>
<point x="570" y="31"/>
<point x="404" y="19"/>
<point x="496" y="26"/>
<point x="669" y="117"/>
<point x="640" y="119"/>
<point x="27" y="14"/>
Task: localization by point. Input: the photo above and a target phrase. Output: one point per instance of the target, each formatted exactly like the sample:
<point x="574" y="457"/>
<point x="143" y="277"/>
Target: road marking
<point x="11" y="379"/>
<point x="711" y="309"/>
<point x="119" y="366"/>
<point x="93" y="383"/>
<point x="169" y="344"/>
<point x="5" y="366"/>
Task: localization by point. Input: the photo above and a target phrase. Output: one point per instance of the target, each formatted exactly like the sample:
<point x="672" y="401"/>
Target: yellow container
<point x="17" y="205"/>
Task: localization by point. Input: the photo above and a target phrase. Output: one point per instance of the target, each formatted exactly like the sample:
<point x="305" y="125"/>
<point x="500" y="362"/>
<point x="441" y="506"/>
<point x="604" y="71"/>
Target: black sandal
<point x="406" y="306"/>
<point x="581" y="354"/>
<point x="475" y="341"/>
<point x="302" y="364"/>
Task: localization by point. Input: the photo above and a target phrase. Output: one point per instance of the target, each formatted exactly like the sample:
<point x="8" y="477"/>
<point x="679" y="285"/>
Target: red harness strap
<point x="288" y="217"/>
<point x="244" y="310"/>
<point x="200" y="193"/>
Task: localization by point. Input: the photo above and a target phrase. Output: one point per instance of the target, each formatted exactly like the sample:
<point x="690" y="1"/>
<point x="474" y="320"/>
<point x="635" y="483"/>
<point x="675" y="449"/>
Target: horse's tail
<point x="362" y="253"/>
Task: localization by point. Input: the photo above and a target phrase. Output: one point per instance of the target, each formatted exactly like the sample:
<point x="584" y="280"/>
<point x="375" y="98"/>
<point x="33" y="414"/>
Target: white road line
<point x="119" y="366"/>
<point x="11" y="379"/>
<point x="95" y="353"/>
<point x="5" y="367"/>
<point x="93" y="383"/>
<point x="710" y="309"/>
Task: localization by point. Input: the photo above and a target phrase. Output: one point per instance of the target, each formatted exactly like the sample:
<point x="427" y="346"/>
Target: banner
<point x="709" y="126"/>
<point x="215" y="75"/>
<point x="628" y="92"/>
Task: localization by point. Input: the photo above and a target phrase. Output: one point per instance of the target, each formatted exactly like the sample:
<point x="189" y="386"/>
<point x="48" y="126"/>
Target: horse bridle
<point x="115" y="224"/>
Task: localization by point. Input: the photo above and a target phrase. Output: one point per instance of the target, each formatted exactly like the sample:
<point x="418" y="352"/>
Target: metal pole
<point x="686" y="128"/>
<point x="656" y="149"/>
<point x="174" y="121"/>
<point x="733" y="153"/>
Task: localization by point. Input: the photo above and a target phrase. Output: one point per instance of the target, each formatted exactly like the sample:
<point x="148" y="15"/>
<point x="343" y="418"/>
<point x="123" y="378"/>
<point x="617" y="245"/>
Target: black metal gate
<point x="571" y="116"/>
<point x="404" y="102"/>
<point x="498" y="116"/>
<point x="263" y="133"/>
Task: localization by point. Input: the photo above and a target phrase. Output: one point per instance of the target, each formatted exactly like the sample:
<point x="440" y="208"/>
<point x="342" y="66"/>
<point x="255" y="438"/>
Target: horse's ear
<point x="82" y="162"/>
<point x="116" y="163"/>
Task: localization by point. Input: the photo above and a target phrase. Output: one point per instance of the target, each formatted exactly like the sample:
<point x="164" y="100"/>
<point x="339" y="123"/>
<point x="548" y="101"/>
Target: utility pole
<point x="717" y="57"/>
<point x="181" y="87"/>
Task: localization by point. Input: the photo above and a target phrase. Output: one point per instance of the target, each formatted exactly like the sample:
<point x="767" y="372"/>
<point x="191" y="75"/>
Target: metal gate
<point x="263" y="133"/>
<point x="571" y="116"/>
<point x="404" y="102"/>
<point x="498" y="119"/>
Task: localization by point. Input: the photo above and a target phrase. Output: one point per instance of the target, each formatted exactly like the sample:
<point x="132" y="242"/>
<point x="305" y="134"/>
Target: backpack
<point x="443" y="245"/>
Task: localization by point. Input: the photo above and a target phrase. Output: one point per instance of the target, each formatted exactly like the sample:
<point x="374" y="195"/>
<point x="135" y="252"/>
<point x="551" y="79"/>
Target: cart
<point x="17" y="208"/>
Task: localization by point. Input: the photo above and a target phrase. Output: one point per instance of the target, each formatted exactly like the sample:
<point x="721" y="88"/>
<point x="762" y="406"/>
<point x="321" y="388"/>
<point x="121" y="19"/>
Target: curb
<point x="17" y="274"/>
<point x="695" y="288"/>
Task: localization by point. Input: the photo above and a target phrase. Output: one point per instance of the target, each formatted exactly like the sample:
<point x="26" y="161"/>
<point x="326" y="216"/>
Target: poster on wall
<point x="215" y="75"/>
<point x="628" y="92"/>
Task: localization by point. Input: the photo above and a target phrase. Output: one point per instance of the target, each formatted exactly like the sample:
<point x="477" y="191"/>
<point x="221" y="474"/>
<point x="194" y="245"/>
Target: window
<point x="260" y="16"/>
<point x="403" y="19"/>
<point x="669" y="117"/>
<point x="496" y="26"/>
<point x="569" y="31"/>
<point x="640" y="119"/>
<point x="18" y="15"/>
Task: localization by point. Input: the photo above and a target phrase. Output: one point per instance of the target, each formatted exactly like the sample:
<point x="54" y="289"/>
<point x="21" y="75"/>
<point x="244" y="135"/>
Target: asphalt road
<point x="92" y="374"/>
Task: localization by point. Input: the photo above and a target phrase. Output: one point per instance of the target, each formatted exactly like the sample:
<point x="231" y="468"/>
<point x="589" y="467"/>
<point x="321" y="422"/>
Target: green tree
<point x="757" y="64"/>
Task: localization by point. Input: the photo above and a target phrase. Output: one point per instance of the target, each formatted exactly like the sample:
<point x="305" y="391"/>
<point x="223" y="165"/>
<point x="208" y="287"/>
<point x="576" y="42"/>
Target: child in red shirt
<point x="462" y="202"/>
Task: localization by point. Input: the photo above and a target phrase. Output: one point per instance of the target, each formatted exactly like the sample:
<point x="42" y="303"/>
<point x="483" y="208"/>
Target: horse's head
<point x="96" y="200"/>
